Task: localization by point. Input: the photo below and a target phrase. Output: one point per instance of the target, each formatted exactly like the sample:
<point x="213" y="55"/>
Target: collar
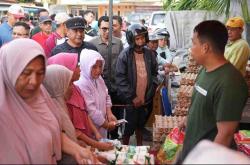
<point x="8" y="26"/>
<point x="100" y="42"/>
<point x="71" y="47"/>
<point x="44" y="35"/>
<point x="232" y="42"/>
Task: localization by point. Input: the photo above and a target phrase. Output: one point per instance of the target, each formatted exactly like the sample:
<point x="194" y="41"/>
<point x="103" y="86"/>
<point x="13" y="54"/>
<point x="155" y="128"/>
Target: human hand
<point x="102" y="159"/>
<point x="137" y="102"/>
<point x="98" y="160"/>
<point x="183" y="124"/>
<point x="111" y="117"/>
<point x="84" y="156"/>
<point x="105" y="146"/>
<point x="81" y="143"/>
<point x="98" y="136"/>
<point x="111" y="125"/>
<point x="170" y="68"/>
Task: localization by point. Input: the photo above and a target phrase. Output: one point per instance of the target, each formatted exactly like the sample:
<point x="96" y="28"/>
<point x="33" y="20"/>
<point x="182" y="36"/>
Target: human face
<point x="162" y="42"/>
<point x="19" y="32"/>
<point x="104" y="30"/>
<point x="46" y="27"/>
<point x="64" y="29"/>
<point x="116" y="27"/>
<point x="12" y="19"/>
<point x="197" y="49"/>
<point x="29" y="81"/>
<point x="96" y="70"/>
<point x="89" y="18"/>
<point x="234" y="33"/>
<point x="153" y="45"/>
<point x="76" y="36"/>
<point x="140" y="40"/>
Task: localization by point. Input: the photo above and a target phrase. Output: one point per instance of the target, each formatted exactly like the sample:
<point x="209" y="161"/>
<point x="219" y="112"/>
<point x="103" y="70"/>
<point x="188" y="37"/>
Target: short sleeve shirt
<point x="219" y="95"/>
<point x="102" y="48"/>
<point x="66" y="48"/>
<point x="237" y="53"/>
<point x="5" y="33"/>
<point x="51" y="42"/>
<point x="41" y="39"/>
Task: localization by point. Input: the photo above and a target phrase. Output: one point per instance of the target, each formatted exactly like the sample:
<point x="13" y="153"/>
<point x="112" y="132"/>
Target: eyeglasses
<point x="105" y="29"/>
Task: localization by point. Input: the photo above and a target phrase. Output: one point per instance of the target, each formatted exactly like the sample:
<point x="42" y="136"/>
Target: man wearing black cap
<point x="75" y="33"/>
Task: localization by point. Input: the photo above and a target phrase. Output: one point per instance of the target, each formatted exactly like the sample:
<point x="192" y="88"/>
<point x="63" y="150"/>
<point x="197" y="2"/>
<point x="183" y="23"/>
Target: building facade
<point x="134" y="9"/>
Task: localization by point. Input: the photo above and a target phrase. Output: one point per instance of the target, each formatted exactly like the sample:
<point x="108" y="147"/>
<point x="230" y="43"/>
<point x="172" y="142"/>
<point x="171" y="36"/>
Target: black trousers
<point x="117" y="112"/>
<point x="149" y="111"/>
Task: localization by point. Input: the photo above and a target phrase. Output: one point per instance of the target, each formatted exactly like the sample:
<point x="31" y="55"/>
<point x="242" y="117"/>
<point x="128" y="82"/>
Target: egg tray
<point x="163" y="125"/>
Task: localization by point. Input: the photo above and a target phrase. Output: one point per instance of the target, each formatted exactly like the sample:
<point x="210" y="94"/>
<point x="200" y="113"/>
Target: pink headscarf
<point x="30" y="132"/>
<point x="57" y="81"/>
<point x="77" y="112"/>
<point x="68" y="60"/>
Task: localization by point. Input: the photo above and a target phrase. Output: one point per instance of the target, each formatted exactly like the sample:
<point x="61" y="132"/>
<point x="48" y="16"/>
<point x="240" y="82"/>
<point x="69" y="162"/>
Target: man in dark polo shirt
<point x="220" y="91"/>
<point x="75" y="33"/>
<point x="101" y="42"/>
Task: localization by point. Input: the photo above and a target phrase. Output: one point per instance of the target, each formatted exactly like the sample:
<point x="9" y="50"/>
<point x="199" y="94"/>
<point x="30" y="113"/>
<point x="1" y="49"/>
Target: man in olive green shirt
<point x="102" y="44"/>
<point x="237" y="49"/>
<point x="220" y="91"/>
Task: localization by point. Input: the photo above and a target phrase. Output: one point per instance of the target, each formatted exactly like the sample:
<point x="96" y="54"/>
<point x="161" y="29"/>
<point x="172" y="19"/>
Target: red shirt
<point x="51" y="43"/>
<point x="78" y="112"/>
<point x="41" y="39"/>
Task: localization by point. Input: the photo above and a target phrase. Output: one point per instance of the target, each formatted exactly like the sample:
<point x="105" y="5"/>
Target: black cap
<point x="76" y="23"/>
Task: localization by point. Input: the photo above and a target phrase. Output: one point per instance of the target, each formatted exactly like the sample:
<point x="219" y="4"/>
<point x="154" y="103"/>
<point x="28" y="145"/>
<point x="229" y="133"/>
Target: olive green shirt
<point x="102" y="48"/>
<point x="219" y="95"/>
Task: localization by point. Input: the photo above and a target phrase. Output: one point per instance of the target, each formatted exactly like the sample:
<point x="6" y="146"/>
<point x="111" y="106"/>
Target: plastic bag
<point x="242" y="137"/>
<point x="171" y="146"/>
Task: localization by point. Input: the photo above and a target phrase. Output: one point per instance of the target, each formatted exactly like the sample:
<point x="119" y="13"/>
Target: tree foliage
<point x="219" y="6"/>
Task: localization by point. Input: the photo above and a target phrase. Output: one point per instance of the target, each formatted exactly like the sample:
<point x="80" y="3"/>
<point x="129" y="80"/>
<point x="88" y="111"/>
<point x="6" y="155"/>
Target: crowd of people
<point x="60" y="94"/>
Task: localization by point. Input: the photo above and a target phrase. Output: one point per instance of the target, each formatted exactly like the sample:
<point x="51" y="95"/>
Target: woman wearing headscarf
<point x="57" y="81"/>
<point x="29" y="120"/>
<point x="85" y="129"/>
<point x="95" y="92"/>
<point x="69" y="60"/>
